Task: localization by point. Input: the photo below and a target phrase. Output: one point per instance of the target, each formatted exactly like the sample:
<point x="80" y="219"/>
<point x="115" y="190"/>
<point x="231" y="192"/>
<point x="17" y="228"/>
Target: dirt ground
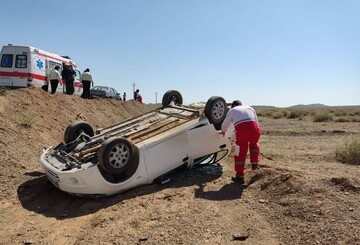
<point x="301" y="195"/>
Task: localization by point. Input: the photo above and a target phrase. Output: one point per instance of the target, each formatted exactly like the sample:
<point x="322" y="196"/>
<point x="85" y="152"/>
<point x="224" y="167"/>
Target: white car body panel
<point x="181" y="138"/>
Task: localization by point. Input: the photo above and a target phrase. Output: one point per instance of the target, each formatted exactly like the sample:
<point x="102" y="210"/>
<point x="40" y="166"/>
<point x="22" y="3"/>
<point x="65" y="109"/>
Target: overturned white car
<point x="137" y="151"/>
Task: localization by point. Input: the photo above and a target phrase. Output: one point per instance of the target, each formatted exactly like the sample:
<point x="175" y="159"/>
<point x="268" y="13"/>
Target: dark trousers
<point x="70" y="87"/>
<point x="86" y="89"/>
<point x="54" y="84"/>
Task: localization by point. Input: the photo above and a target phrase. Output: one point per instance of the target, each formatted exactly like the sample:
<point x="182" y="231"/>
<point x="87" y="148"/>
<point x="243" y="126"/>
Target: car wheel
<point x="215" y="111"/>
<point x="116" y="155"/>
<point x="75" y="129"/>
<point x="172" y="95"/>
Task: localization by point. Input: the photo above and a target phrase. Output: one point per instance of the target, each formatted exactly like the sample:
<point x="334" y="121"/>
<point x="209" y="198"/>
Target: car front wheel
<point x="116" y="155"/>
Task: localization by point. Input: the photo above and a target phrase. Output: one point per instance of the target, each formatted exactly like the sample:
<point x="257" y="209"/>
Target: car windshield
<point x="100" y="88"/>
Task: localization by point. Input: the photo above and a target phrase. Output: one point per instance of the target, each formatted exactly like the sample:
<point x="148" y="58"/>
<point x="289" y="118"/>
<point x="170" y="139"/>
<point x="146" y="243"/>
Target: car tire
<point x="172" y="95"/>
<point x="215" y="111"/>
<point x="75" y="129"/>
<point x="116" y="155"/>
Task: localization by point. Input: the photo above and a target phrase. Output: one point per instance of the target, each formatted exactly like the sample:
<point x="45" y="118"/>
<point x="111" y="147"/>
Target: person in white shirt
<point x="55" y="78"/>
<point x="87" y="81"/>
<point x="247" y="133"/>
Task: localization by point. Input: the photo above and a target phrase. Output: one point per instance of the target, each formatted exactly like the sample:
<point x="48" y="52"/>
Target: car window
<point x="7" y="60"/>
<point x="21" y="61"/>
<point x="99" y="88"/>
<point x="113" y="91"/>
<point x="77" y="74"/>
<point x="52" y="65"/>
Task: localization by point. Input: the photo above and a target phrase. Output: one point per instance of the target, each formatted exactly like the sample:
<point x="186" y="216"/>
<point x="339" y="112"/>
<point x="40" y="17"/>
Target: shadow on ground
<point x="40" y="196"/>
<point x="227" y="192"/>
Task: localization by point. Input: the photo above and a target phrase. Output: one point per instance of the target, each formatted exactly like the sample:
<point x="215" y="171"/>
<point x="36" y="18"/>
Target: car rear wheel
<point x="116" y="155"/>
<point x="75" y="129"/>
<point x="215" y="111"/>
<point x="172" y="96"/>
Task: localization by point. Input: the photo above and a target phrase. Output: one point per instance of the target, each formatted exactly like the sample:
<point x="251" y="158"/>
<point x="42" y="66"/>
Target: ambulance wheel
<point x="215" y="111"/>
<point x="172" y="95"/>
<point x="116" y="155"/>
<point x="75" y="129"/>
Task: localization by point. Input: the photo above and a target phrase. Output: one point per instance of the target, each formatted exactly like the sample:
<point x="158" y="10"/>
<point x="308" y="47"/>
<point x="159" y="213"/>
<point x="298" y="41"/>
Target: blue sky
<point x="274" y="52"/>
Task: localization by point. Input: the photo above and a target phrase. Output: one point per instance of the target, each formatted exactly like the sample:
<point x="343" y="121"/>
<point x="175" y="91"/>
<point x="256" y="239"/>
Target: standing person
<point x="138" y="96"/>
<point x="68" y="75"/>
<point x="124" y="96"/>
<point x="247" y="133"/>
<point x="87" y="81"/>
<point x="55" y="78"/>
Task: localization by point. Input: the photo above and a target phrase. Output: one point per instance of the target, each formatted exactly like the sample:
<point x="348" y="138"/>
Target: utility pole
<point x="155" y="97"/>
<point x="133" y="84"/>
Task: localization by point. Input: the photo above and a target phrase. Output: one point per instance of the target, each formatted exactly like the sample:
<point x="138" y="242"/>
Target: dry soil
<point x="301" y="195"/>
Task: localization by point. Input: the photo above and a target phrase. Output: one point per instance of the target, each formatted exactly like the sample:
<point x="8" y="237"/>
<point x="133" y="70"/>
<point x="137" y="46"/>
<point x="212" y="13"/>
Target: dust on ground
<point x="301" y="195"/>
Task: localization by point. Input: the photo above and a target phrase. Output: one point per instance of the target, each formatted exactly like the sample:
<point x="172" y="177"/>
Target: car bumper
<point x="86" y="180"/>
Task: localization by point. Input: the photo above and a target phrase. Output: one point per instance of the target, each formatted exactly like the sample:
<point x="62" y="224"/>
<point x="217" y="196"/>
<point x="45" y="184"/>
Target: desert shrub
<point x="355" y="119"/>
<point x="296" y="114"/>
<point x="269" y="112"/>
<point x="260" y="113"/>
<point x="350" y="153"/>
<point x="340" y="113"/>
<point x="277" y="115"/>
<point x="2" y="90"/>
<point x="341" y="119"/>
<point x="265" y="112"/>
<point x="322" y="117"/>
<point x="26" y="119"/>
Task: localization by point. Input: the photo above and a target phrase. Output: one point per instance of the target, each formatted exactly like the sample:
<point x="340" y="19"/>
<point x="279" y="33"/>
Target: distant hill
<point x="263" y="107"/>
<point x="308" y="106"/>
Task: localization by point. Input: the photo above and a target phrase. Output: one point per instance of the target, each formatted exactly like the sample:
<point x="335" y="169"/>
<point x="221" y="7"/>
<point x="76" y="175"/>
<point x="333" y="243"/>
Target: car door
<point x="112" y="93"/>
<point x="166" y="153"/>
<point x="204" y="140"/>
<point x="78" y="85"/>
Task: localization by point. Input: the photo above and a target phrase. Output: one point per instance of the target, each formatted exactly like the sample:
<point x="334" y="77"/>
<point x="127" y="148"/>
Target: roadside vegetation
<point x="2" y="91"/>
<point x="349" y="153"/>
<point x="26" y="119"/>
<point x="320" y="114"/>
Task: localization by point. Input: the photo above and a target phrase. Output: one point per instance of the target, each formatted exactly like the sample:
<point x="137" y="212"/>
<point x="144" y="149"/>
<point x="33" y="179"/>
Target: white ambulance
<point x="23" y="66"/>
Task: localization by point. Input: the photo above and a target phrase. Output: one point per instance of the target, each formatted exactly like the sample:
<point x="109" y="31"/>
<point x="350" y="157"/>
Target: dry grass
<point x="320" y="114"/>
<point x="349" y="153"/>
<point x="26" y="119"/>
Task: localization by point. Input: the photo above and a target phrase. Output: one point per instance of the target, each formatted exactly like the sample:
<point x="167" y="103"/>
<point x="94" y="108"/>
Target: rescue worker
<point x="247" y="132"/>
<point x="124" y="96"/>
<point x="55" y="78"/>
<point x="68" y="75"/>
<point x="138" y="96"/>
<point x="87" y="81"/>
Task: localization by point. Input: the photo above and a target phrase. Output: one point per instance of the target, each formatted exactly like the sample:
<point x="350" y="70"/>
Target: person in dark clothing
<point x="124" y="96"/>
<point x="55" y="78"/>
<point x="87" y="81"/>
<point x="68" y="75"/>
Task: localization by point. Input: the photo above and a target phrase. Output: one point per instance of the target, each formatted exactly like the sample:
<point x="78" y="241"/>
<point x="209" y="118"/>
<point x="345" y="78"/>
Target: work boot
<point x="254" y="166"/>
<point x="238" y="179"/>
